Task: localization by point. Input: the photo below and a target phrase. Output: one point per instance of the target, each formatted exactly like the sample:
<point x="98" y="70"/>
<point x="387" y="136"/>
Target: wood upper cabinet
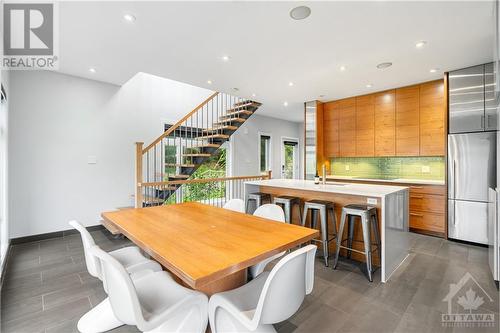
<point x="365" y="126"/>
<point x="432" y="118"/>
<point x="347" y="127"/>
<point x="408" y="121"/>
<point x="385" y="123"/>
<point x="331" y="129"/>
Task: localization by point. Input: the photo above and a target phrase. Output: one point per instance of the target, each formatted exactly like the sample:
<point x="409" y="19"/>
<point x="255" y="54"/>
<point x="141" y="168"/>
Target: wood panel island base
<point x="392" y="204"/>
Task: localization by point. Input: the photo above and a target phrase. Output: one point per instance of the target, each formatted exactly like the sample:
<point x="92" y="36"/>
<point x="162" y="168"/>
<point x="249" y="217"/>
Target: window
<point x="265" y="153"/>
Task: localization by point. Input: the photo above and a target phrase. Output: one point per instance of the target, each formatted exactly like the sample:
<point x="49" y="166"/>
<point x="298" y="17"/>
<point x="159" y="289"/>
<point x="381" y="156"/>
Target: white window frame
<point x="270" y="155"/>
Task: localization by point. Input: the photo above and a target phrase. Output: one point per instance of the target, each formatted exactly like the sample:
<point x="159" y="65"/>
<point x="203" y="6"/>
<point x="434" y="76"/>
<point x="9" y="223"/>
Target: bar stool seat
<point x="259" y="198"/>
<point x="323" y="207"/>
<point x="369" y="221"/>
<point x="288" y="202"/>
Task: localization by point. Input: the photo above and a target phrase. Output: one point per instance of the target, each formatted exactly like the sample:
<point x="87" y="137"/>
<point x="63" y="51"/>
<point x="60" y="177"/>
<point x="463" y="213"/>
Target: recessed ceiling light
<point x="290" y="84"/>
<point x="369" y="85"/>
<point x="209" y="81"/>
<point x="300" y="13"/>
<point x="384" y="65"/>
<point x="92" y="70"/>
<point x="129" y="17"/>
<point x="285" y="103"/>
<point x="253" y="95"/>
<point x="342" y="68"/>
<point x="433" y="70"/>
<point x="236" y="89"/>
<point x="225" y="58"/>
<point x="420" y="44"/>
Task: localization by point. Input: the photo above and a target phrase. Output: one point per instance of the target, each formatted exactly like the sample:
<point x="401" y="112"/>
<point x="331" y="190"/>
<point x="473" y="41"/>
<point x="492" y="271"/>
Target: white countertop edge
<point x="398" y="180"/>
<point x="365" y="190"/>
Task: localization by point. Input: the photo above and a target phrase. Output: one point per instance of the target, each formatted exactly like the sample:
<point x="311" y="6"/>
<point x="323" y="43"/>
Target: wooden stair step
<point x="206" y="145"/>
<point x="214" y="136"/>
<point x="246" y="103"/>
<point x="179" y="176"/>
<point x="196" y="155"/>
<point x="182" y="165"/>
<point x="149" y="200"/>
<point x="231" y="120"/>
<point x="232" y="113"/>
<point x="220" y="128"/>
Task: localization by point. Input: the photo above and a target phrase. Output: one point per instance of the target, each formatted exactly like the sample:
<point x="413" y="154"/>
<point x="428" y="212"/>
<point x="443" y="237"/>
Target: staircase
<point x="177" y="153"/>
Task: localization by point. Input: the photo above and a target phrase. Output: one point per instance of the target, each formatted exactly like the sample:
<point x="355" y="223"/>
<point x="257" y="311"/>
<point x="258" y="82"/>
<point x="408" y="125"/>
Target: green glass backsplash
<point x="429" y="168"/>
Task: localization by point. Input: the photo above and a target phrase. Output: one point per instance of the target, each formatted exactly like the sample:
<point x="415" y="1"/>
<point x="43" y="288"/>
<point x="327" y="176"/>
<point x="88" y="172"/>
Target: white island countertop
<point x="368" y="190"/>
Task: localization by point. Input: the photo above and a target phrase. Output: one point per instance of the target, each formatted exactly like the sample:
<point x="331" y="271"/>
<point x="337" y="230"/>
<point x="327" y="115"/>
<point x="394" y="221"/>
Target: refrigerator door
<point x="490" y="103"/>
<point x="471" y="165"/>
<point x="467" y="220"/>
<point x="466" y="98"/>
<point x="493" y="245"/>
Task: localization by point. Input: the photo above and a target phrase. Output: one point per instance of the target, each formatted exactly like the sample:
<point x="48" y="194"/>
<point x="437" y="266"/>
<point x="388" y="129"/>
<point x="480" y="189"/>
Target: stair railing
<point x="181" y="147"/>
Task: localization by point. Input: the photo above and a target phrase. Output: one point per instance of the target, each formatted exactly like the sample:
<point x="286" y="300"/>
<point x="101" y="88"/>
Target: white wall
<point x="245" y="144"/>
<point x="4" y="221"/>
<point x="56" y="121"/>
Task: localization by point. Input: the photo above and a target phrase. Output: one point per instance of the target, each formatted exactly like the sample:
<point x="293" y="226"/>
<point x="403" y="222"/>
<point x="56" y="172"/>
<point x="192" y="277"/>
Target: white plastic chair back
<point x="121" y="290"/>
<point x="271" y="212"/>
<point x="236" y="205"/>
<point x="286" y="286"/>
<point x="93" y="265"/>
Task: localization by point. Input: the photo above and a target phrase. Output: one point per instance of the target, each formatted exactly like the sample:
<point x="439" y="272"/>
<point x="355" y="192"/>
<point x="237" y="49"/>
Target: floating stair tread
<point x="230" y="120"/>
<point x="206" y="145"/>
<point x="246" y="103"/>
<point x="231" y="113"/>
<point x="196" y="155"/>
<point x="179" y="176"/>
<point x="214" y="136"/>
<point x="221" y="128"/>
<point x="185" y="165"/>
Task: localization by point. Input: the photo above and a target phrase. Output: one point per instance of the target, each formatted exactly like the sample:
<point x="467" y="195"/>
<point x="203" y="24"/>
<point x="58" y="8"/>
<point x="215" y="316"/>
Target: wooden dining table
<point x="206" y="248"/>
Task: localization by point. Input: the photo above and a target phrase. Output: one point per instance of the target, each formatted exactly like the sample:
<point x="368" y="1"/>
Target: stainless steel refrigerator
<point x="472" y="156"/>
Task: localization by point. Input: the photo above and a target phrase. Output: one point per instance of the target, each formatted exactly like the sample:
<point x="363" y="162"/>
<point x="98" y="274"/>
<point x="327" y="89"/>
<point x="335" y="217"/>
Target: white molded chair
<point x="101" y="318"/>
<point x="271" y="212"/>
<point x="270" y="298"/>
<point x="236" y="205"/>
<point x="154" y="302"/>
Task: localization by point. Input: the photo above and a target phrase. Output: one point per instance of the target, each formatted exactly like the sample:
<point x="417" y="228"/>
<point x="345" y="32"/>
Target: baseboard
<point x="4" y="266"/>
<point x="49" y="235"/>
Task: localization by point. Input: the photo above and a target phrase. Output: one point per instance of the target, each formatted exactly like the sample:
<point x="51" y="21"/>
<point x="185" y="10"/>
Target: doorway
<point x="289" y="158"/>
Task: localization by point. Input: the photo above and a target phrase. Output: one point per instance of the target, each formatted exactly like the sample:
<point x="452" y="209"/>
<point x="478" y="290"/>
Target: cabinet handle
<point x="415" y="214"/>
<point x="416" y="196"/>
<point x="417" y="187"/>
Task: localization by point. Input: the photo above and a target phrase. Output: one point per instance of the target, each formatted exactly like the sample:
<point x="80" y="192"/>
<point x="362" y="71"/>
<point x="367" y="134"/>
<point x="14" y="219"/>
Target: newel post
<point x="138" y="174"/>
<point x="269" y="174"/>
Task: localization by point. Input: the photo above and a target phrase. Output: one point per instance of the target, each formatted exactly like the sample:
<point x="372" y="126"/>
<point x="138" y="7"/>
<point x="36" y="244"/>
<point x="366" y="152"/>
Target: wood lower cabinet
<point x="365" y="126"/>
<point x="407" y="121"/>
<point x="385" y="123"/>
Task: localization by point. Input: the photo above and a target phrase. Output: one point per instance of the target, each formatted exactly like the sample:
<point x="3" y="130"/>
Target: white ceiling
<point x="185" y="41"/>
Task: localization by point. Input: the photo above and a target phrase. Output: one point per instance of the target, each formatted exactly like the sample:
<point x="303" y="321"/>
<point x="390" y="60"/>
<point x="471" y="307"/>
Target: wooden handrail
<point x="177" y="124"/>
<point x="202" y="180"/>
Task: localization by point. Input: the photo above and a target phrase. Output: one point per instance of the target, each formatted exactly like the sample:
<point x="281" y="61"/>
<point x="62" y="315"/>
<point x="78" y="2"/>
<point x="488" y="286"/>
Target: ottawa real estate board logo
<point x="30" y="36"/>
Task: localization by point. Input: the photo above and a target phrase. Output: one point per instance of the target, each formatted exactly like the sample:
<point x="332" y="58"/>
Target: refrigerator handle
<point x="452" y="180"/>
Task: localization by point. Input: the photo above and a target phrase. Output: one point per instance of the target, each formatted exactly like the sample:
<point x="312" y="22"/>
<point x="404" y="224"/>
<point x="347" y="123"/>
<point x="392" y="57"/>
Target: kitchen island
<point x="392" y="209"/>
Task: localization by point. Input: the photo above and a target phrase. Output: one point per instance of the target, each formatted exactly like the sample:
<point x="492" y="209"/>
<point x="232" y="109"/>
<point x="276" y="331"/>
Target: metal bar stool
<point x="259" y="198"/>
<point x="287" y="203"/>
<point x="323" y="207"/>
<point x="368" y="217"/>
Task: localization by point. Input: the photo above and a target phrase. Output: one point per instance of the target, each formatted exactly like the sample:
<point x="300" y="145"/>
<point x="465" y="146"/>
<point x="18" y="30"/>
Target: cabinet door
<point x="385" y="123"/>
<point x="365" y="126"/>
<point x="432" y="119"/>
<point x="466" y="98"/>
<point x="331" y="129"/>
<point x="407" y="121"/>
<point x="490" y="104"/>
<point x="347" y="127"/>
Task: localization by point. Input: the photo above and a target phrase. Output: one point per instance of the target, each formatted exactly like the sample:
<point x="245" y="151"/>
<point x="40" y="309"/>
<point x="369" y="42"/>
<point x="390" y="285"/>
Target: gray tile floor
<point x="47" y="289"/>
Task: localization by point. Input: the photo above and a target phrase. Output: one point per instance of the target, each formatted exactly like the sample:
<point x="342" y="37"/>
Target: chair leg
<point x="300" y="215"/>
<point x="365" y="224"/>
<point x="324" y="234"/>
<point x="314" y="218"/>
<point x="304" y="217"/>
<point x="350" y="234"/>
<point x="99" y="319"/>
<point x="339" y="239"/>
<point x="287" y="208"/>
<point x="377" y="237"/>
<point x="334" y="221"/>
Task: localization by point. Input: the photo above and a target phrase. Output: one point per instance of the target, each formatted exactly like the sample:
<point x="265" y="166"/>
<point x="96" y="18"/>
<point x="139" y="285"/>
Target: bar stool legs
<point x="287" y="203"/>
<point x="321" y="207"/>
<point x="369" y="222"/>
